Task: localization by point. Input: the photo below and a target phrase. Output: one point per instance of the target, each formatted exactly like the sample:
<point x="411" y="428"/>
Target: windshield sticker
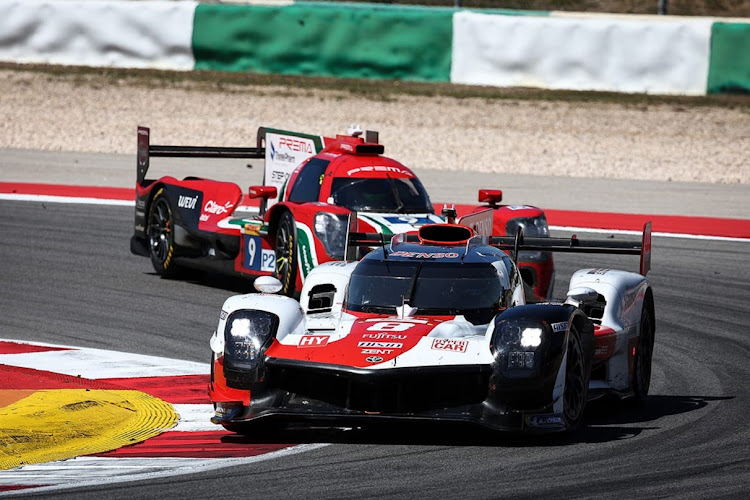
<point x="379" y="168"/>
<point x="405" y="219"/>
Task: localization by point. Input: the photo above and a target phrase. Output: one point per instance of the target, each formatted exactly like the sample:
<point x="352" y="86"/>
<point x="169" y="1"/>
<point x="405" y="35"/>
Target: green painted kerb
<point x="729" y="66"/>
<point x="315" y="40"/>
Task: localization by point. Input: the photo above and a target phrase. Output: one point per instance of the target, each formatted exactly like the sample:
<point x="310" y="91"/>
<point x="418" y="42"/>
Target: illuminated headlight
<point x="533" y="227"/>
<point x="331" y="231"/>
<point x="516" y="343"/>
<point x="246" y="335"/>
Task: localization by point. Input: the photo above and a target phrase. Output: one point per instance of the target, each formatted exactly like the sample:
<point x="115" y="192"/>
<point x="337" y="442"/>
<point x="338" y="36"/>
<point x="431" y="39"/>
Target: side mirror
<point x="262" y="192"/>
<point x="581" y="295"/>
<point x="267" y="284"/>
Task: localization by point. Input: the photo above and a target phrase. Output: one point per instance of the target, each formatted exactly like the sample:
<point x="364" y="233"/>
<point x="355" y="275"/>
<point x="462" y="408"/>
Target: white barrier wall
<point x="606" y="54"/>
<point x="146" y="34"/>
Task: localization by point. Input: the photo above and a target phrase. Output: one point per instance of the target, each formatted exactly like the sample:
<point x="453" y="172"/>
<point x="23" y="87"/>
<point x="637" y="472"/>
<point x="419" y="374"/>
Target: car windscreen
<point x="401" y="195"/>
<point x="472" y="289"/>
<point x="307" y="185"/>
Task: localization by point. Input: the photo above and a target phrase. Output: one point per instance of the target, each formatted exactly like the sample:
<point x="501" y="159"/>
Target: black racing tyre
<point x="577" y="377"/>
<point x="643" y="357"/>
<point x="286" y="254"/>
<point x="160" y="233"/>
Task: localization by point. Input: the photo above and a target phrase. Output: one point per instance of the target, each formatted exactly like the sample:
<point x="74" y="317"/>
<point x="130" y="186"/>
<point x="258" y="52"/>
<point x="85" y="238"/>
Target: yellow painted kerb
<point x="58" y="424"/>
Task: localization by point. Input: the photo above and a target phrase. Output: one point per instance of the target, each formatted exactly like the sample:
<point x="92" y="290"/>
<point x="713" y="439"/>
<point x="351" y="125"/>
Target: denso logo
<point x="187" y="202"/>
<point x="212" y="207"/>
<point x="295" y="145"/>
<point x="314" y="341"/>
<point x="450" y="345"/>
<point x="426" y="255"/>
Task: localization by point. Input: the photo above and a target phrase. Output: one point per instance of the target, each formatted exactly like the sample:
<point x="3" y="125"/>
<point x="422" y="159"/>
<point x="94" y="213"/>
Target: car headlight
<point x="517" y="343"/>
<point x="533" y="227"/>
<point x="331" y="231"/>
<point x="246" y="335"/>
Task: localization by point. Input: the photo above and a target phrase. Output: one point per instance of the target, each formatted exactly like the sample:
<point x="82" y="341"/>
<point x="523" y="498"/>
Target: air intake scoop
<point x="444" y="234"/>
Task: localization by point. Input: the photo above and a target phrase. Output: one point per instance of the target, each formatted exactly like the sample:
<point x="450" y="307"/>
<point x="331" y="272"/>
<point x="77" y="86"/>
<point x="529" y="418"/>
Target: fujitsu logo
<point x="187" y="202"/>
<point x="295" y="145"/>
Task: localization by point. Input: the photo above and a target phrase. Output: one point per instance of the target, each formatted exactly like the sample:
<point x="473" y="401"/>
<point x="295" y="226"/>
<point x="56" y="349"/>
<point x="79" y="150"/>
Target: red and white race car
<point x="311" y="185"/>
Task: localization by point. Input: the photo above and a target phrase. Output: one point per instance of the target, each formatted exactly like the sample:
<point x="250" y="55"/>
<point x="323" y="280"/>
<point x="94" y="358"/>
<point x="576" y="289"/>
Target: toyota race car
<point x="311" y="185"/>
<point x="435" y="325"/>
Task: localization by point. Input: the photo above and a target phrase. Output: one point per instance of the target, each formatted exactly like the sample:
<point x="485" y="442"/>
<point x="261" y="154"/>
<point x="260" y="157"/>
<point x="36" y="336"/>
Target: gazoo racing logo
<point x="187" y="202"/>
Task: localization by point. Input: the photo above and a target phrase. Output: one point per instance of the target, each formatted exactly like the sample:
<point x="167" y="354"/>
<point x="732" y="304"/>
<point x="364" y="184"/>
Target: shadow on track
<point x="605" y="420"/>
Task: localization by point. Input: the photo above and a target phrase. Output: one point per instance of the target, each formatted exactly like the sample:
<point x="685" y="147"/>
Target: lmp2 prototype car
<point x="311" y="185"/>
<point x="435" y="326"/>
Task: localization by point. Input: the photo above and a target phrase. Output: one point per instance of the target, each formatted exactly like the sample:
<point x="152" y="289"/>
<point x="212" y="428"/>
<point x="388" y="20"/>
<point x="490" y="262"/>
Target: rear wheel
<point x="286" y="254"/>
<point x="576" y="381"/>
<point x="161" y="235"/>
<point x="643" y="357"/>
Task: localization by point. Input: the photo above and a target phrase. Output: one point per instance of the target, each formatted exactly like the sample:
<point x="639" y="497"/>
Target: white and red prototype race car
<point x="311" y="185"/>
<point x="435" y="326"/>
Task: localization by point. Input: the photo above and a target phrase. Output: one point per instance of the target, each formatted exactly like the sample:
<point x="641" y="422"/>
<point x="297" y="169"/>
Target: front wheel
<point x="160" y="234"/>
<point x="286" y="254"/>
<point x="576" y="389"/>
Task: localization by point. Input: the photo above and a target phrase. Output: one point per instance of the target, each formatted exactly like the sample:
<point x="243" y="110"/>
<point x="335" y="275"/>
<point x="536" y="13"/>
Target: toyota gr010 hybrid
<point x="435" y="326"/>
<point x="311" y="185"/>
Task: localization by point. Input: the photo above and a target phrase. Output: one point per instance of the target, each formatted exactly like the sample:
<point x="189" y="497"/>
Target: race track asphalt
<point x="68" y="278"/>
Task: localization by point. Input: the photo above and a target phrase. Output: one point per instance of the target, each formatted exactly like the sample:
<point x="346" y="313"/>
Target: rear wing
<point x="146" y="150"/>
<point x="515" y="244"/>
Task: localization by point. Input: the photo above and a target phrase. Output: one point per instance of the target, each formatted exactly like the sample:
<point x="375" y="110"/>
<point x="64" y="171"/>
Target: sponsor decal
<point x="373" y="359"/>
<point x="560" y="327"/>
<point x="453" y="345"/>
<point x="140" y="228"/>
<point x="314" y="341"/>
<point x="383" y="336"/>
<point x="347" y="147"/>
<point x="385" y="352"/>
<point x="140" y="204"/>
<point x="598" y="272"/>
<point x="212" y="207"/>
<point x="187" y="202"/>
<point x="545" y="420"/>
<point x="140" y="213"/>
<point x="426" y="255"/>
<point x="381" y="345"/>
<point x="293" y="144"/>
<point x="279" y="177"/>
<point x="518" y="207"/>
<point x="223" y="315"/>
<point x="378" y="168"/>
<point x="281" y="156"/>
